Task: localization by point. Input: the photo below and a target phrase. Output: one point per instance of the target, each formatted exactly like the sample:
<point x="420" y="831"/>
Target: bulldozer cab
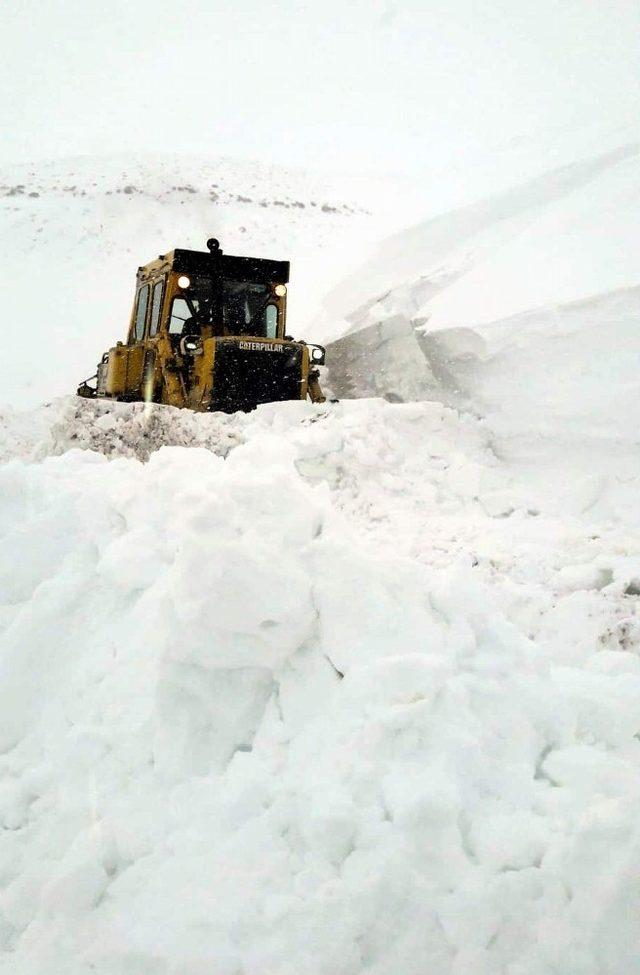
<point x="208" y="331"/>
<point x="195" y="293"/>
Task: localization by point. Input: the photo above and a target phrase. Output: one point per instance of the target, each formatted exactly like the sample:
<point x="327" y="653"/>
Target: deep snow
<point x="523" y="309"/>
<point x="542" y="276"/>
<point x="327" y="690"/>
<point x="188" y="783"/>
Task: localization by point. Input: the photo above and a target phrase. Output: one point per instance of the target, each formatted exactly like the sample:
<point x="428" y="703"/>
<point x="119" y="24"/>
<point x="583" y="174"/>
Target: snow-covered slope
<point x="333" y="691"/>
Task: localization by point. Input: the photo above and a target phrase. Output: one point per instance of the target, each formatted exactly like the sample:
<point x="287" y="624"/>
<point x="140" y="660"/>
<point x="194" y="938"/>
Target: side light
<point x="191" y="345"/>
<point x="184" y="281"/>
<point x="280" y="290"/>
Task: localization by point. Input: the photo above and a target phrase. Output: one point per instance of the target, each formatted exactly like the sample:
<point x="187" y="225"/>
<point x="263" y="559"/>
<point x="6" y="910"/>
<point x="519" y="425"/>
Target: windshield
<point x="243" y="308"/>
<point x="246" y="309"/>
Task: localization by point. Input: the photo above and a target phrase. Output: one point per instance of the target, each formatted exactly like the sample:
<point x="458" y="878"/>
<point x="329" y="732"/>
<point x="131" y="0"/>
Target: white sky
<point x="377" y="86"/>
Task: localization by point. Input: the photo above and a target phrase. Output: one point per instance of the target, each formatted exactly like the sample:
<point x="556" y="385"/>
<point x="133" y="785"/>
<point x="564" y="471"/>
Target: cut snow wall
<point x="559" y="252"/>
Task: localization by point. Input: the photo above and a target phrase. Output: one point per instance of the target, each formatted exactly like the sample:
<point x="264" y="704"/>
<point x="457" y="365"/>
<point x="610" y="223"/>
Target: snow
<point x="334" y="690"/>
<point x="522" y="308"/>
<point x="338" y="689"/>
<point x="562" y="234"/>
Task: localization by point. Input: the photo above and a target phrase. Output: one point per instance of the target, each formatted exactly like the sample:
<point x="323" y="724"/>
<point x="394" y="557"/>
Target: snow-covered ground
<point x="332" y="691"/>
<point x="349" y="689"/>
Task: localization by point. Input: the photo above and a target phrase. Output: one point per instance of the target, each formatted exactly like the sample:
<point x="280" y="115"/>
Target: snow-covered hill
<point x="333" y="691"/>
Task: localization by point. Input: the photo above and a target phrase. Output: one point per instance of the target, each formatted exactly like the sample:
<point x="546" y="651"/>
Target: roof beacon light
<point x="184" y="281"/>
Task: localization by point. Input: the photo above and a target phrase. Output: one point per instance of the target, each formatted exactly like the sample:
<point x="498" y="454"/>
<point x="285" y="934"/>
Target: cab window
<point x="271" y="321"/>
<point x="244" y="308"/>
<point x="141" y="312"/>
<point x="179" y="315"/>
<point x="156" y="306"/>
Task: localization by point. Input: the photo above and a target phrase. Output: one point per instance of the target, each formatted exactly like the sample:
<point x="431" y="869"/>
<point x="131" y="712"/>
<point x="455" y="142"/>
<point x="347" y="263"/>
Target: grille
<point x="243" y="378"/>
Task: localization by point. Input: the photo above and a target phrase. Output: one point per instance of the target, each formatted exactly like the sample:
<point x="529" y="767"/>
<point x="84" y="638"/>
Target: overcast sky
<point x="378" y="85"/>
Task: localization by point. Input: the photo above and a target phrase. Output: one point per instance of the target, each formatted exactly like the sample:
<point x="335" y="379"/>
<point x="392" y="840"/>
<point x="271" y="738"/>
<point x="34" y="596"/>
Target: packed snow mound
<point x="524" y="306"/>
<point x="113" y="429"/>
<point x="332" y="693"/>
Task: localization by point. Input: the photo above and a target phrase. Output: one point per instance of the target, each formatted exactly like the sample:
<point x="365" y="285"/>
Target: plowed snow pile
<point x="334" y="692"/>
<point x="523" y="307"/>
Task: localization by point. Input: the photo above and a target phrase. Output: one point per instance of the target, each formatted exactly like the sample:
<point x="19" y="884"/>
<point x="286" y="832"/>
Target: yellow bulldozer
<point x="208" y="332"/>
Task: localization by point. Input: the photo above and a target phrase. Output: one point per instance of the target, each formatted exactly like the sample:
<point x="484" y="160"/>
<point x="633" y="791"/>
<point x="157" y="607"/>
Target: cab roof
<point x="255" y="269"/>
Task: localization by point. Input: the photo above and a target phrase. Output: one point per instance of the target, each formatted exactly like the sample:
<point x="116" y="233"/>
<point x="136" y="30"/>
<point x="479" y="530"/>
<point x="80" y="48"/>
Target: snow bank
<point x="333" y="692"/>
<point x="561" y="236"/>
<point x="523" y="308"/>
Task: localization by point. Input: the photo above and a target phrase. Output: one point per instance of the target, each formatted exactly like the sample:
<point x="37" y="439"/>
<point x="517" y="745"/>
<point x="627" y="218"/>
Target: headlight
<point x="191" y="345"/>
<point x="280" y="290"/>
<point x="184" y="281"/>
<point x="317" y="355"/>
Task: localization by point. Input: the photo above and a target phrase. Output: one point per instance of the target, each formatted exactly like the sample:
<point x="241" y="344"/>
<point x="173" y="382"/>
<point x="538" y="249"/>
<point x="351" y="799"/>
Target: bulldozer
<point x="208" y="332"/>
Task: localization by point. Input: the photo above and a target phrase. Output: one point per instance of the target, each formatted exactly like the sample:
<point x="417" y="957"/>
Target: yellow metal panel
<point x="116" y="381"/>
<point x="282" y="316"/>
<point x="200" y="393"/>
<point x="173" y="390"/>
<point x="135" y="361"/>
<point x="124" y="370"/>
<point x="305" y="373"/>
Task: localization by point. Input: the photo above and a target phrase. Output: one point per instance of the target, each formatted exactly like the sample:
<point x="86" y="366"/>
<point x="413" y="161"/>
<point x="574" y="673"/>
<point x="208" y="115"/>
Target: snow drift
<point x="538" y="282"/>
<point x="334" y="692"/>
